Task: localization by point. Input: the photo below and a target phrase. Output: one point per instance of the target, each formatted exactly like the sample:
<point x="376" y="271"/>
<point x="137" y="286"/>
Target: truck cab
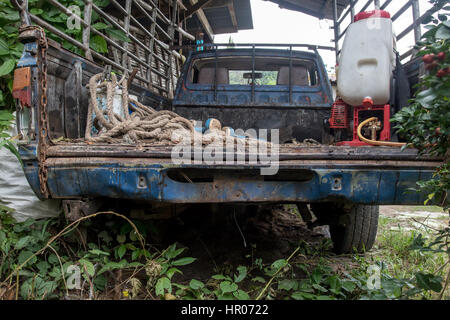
<point x="257" y="88"/>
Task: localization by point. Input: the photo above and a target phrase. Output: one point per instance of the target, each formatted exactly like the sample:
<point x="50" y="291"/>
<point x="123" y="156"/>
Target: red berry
<point x="441" y="73"/>
<point x="437" y="131"/>
<point x="427" y="58"/>
<point x="431" y="66"/>
<point x="441" y="56"/>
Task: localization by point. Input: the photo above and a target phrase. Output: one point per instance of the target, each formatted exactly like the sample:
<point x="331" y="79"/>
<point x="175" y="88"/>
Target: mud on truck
<point x="96" y="127"/>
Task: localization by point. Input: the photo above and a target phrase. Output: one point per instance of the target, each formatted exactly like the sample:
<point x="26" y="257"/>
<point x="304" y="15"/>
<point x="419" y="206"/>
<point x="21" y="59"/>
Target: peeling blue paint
<point x="28" y="58"/>
<point x="119" y="181"/>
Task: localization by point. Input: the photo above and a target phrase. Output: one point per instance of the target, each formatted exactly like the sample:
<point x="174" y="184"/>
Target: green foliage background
<point x="10" y="51"/>
<point x="11" y="48"/>
<point x="426" y="121"/>
<point x="269" y="78"/>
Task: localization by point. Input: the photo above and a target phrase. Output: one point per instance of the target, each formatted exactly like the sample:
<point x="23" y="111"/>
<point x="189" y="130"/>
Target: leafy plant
<point x="6" y="119"/>
<point x="426" y="121"/>
<point x="40" y="276"/>
<point x="11" y="49"/>
<point x="37" y="261"/>
<point x="163" y="268"/>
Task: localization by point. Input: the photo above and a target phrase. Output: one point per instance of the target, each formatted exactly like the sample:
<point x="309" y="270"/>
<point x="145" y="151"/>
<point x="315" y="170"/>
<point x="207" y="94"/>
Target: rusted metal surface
<point x="43" y="138"/>
<point x="289" y="164"/>
<point x="22" y="78"/>
<point x="22" y="86"/>
<point x="286" y="152"/>
<point x="43" y="117"/>
<point x="368" y="182"/>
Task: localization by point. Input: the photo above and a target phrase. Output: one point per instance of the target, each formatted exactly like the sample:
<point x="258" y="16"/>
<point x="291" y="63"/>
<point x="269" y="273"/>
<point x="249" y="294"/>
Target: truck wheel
<point x="351" y="230"/>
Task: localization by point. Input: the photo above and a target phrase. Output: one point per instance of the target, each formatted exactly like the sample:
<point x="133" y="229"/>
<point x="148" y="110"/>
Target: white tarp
<point x="16" y="193"/>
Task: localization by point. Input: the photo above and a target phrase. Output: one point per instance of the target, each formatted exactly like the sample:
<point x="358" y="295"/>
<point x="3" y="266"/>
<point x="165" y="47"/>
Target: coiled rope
<point x="144" y="123"/>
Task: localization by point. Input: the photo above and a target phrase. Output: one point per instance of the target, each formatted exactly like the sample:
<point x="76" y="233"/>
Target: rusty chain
<point x="43" y="118"/>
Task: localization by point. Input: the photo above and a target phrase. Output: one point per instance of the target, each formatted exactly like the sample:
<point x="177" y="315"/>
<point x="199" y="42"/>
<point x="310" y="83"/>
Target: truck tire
<point x="351" y="230"/>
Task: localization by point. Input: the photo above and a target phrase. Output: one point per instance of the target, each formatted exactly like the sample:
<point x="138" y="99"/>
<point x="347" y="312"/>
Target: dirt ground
<point x="414" y="217"/>
<point x="221" y="242"/>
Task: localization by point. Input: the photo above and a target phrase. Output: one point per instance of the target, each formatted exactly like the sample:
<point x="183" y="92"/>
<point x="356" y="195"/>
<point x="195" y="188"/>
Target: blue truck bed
<point x="366" y="175"/>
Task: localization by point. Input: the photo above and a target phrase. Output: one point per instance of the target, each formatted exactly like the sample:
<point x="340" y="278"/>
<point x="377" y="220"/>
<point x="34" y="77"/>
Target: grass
<point x="444" y="218"/>
<point x="393" y="247"/>
<point x="314" y="272"/>
<point x="426" y="208"/>
<point x="385" y="221"/>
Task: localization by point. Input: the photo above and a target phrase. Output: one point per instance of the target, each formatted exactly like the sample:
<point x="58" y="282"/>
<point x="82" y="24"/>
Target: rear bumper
<point x="362" y="182"/>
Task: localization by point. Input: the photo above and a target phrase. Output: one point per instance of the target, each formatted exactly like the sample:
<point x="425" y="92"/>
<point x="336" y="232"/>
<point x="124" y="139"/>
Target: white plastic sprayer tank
<point x="367" y="59"/>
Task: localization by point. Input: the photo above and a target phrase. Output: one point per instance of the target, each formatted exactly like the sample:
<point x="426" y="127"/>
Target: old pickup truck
<point x="247" y="86"/>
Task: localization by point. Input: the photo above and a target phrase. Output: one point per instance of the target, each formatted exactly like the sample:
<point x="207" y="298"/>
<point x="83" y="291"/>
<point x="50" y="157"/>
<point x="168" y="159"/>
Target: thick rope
<point x="144" y="122"/>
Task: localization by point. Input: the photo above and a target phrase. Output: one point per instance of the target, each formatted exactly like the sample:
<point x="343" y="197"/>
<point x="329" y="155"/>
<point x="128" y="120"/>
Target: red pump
<point x="339" y="115"/>
<point x="339" y="120"/>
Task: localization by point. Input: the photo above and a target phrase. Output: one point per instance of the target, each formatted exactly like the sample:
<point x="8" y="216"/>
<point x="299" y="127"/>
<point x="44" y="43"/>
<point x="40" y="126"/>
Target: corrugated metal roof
<point x="225" y="16"/>
<point x="220" y="20"/>
<point x="321" y="9"/>
<point x="229" y="16"/>
<point x="243" y="14"/>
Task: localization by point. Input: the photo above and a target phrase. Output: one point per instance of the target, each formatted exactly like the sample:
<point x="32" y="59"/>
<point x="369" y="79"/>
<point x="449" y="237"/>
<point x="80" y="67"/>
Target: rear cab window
<point x="269" y="71"/>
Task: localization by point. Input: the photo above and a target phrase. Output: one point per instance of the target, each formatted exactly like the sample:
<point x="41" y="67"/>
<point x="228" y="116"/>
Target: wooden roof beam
<point x="291" y="6"/>
<point x="196" y="6"/>
<point x="233" y="15"/>
<point x="202" y="18"/>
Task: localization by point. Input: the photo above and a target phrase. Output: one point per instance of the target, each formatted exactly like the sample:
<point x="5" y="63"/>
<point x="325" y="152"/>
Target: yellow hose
<point x="373" y="142"/>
